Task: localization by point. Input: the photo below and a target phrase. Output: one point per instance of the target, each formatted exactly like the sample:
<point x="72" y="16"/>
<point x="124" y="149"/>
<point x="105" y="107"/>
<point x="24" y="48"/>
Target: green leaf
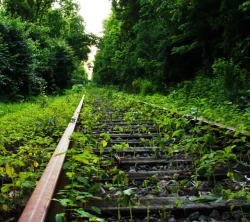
<point x="36" y="164"/>
<point x="9" y="170"/>
<point x="82" y="158"/>
<point x="28" y="184"/>
<point x="70" y="174"/>
<point x="65" y="202"/>
<point x="104" y="143"/>
<point x="97" y="210"/>
<point x="96" y="219"/>
<point x="6" y="188"/>
<point x="82" y="213"/>
<point x="178" y="133"/>
<point x="60" y="217"/>
<point x="128" y="192"/>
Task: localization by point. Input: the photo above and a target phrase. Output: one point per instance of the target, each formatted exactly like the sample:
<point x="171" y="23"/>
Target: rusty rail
<point x="39" y="202"/>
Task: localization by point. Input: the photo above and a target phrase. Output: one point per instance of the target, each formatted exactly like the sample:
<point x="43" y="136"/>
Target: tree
<point x="41" y="45"/>
<point x="165" y="42"/>
<point x="31" y="10"/>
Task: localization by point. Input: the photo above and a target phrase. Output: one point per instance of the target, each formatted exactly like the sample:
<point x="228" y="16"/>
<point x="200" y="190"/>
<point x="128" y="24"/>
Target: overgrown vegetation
<point x="204" y="97"/>
<point x="194" y="54"/>
<point x="94" y="176"/>
<point x="150" y="46"/>
<point x="28" y="137"/>
<point x="42" y="46"/>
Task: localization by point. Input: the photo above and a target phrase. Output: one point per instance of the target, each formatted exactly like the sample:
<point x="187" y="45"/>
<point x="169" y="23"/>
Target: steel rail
<point x="37" y="207"/>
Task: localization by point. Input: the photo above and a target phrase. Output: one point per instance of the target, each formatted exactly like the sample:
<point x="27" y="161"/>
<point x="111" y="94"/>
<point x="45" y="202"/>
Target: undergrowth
<point x="213" y="151"/>
<point x="29" y="134"/>
<point x="204" y="97"/>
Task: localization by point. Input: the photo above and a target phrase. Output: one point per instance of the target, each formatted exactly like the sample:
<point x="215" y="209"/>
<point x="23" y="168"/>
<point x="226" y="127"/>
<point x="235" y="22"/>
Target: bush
<point x="16" y="76"/>
<point x="235" y="80"/>
<point x="79" y="76"/>
<point x="61" y="64"/>
<point x="31" y="59"/>
<point x="143" y="86"/>
<point x="54" y="59"/>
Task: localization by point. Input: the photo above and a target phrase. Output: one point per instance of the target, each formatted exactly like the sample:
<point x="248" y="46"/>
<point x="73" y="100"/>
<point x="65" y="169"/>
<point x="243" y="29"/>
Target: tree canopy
<point x="157" y="43"/>
<point x="42" y="45"/>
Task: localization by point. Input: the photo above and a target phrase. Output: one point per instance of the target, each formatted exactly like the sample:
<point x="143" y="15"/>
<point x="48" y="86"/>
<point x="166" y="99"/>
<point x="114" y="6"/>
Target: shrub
<point x="235" y="79"/>
<point x="62" y="63"/>
<point x="143" y="86"/>
<point x="31" y="59"/>
<point x="16" y="77"/>
<point x="79" y="76"/>
<point x="54" y="59"/>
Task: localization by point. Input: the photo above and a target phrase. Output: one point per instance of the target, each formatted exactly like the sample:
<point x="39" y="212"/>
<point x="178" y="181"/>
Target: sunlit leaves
<point x="86" y="157"/>
<point x="9" y="170"/>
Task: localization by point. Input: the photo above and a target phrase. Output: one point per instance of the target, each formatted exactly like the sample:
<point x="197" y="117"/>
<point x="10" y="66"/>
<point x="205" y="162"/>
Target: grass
<point x="29" y="133"/>
<point x="8" y="108"/>
<point x="204" y="97"/>
<point x="226" y="113"/>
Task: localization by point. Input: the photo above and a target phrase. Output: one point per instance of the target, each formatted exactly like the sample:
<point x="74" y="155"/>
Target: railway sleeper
<point x="178" y="206"/>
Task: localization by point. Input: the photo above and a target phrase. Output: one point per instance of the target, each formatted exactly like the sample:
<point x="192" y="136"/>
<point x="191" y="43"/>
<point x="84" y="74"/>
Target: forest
<point x="161" y="133"/>
<point x="153" y="46"/>
<point x="42" y="47"/>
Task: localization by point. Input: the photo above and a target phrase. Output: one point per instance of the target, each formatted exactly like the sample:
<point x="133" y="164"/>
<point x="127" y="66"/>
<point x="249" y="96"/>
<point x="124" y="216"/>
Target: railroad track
<point x="132" y="162"/>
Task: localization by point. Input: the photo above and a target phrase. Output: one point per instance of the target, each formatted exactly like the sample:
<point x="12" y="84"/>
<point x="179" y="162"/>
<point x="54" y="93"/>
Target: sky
<point x="94" y="13"/>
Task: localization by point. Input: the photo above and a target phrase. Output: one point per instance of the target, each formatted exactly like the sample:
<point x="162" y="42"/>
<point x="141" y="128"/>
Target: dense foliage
<point x="149" y="45"/>
<point x="202" y="97"/>
<point x="94" y="177"/>
<point x="29" y="134"/>
<point x="42" y="46"/>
